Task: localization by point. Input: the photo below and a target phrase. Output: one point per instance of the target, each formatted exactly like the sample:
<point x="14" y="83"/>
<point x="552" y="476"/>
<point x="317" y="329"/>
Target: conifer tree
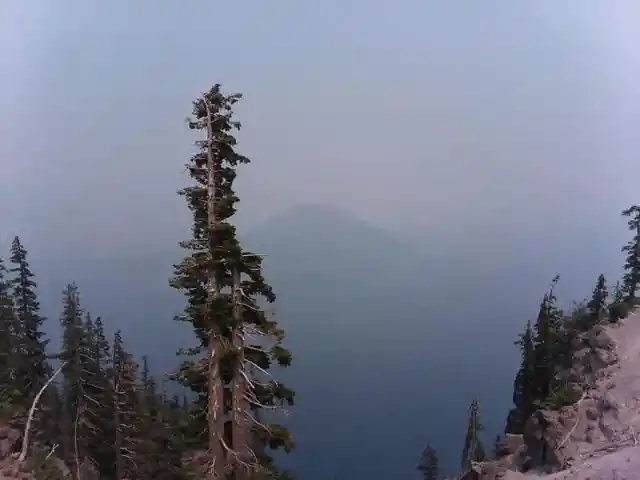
<point x="631" y="278"/>
<point x="524" y="385"/>
<point x="618" y="294"/>
<point x="429" y="464"/>
<point x="9" y="387"/>
<point x="77" y="401"/>
<point x="546" y="342"/>
<point x="159" y="447"/>
<point x="125" y="406"/>
<point x="33" y="367"/>
<point x="618" y="308"/>
<point x="224" y="286"/>
<point x="598" y="303"/>
<point x="150" y="428"/>
<point x="473" y="450"/>
<point x="99" y="391"/>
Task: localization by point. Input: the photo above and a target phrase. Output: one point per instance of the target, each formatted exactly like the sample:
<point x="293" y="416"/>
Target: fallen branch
<point x="32" y="411"/>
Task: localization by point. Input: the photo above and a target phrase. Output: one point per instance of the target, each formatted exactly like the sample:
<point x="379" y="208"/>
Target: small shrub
<point x="563" y="397"/>
<point x="618" y="311"/>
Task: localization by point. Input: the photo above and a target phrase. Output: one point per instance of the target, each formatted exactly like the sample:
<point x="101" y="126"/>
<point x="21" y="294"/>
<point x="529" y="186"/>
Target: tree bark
<point x="215" y="412"/>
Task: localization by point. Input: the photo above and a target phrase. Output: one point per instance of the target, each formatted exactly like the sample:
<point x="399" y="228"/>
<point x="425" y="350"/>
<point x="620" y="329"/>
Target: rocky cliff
<point x="597" y="436"/>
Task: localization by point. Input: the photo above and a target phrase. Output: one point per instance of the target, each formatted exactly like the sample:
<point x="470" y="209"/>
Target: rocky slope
<point x="596" y="438"/>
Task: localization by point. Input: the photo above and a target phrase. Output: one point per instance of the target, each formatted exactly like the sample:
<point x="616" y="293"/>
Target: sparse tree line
<point x="104" y="415"/>
<point x="545" y="349"/>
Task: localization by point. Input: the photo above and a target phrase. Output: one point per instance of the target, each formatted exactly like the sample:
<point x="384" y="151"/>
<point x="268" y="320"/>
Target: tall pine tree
<point x="429" y="465"/>
<point x="524" y="385"/>
<point x="76" y="391"/>
<point x="160" y="447"/>
<point x="99" y="392"/>
<point x="598" y="303"/>
<point x="631" y="278"/>
<point x="226" y="292"/>
<point x="9" y="381"/>
<point x="33" y="367"/>
<point x="548" y="335"/>
<point x="125" y="409"/>
<point x="473" y="450"/>
<point x="618" y="294"/>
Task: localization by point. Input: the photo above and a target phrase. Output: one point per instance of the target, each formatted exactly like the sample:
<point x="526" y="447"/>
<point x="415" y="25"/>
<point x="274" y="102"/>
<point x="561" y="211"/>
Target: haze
<point x="503" y="130"/>
<point x="418" y="117"/>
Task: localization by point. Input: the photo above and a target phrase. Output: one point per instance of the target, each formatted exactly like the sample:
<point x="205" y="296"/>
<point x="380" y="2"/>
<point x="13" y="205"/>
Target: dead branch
<point x="259" y="368"/>
<point x="51" y="452"/>
<point x="258" y="404"/>
<point x="258" y="423"/>
<point x="236" y="457"/>
<point x="32" y="411"/>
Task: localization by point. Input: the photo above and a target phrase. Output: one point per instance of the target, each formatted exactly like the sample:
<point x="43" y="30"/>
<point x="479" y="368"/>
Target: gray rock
<point x="592" y="413"/>
<point x="9" y="438"/>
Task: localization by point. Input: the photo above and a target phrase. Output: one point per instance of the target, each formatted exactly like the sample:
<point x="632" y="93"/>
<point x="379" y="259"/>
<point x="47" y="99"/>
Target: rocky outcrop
<point x="511" y="452"/>
<point x="559" y="443"/>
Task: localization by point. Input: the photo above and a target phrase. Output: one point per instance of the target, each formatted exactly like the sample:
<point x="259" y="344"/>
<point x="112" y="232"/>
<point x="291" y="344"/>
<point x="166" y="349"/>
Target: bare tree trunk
<point x="215" y="410"/>
<point x="240" y="406"/>
<point x="32" y="411"/>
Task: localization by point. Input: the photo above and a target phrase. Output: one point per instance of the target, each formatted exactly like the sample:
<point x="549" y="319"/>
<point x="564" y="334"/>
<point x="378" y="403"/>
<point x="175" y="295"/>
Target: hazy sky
<point x="413" y="115"/>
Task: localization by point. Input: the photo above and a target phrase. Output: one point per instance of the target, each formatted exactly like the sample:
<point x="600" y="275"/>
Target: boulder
<point x="603" y="341"/>
<point x="546" y="438"/>
<point x="9" y="439"/>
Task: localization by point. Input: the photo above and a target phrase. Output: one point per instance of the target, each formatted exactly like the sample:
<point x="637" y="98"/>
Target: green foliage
<point x="473" y="450"/>
<point x="631" y="277"/>
<point x="618" y="293"/>
<point x="33" y="367"/>
<point x="546" y="349"/>
<point x="562" y="397"/>
<point x="524" y="383"/>
<point x="27" y="366"/>
<point x="220" y="310"/>
<point x="598" y="303"/>
<point x="9" y="381"/>
<point x="547" y="344"/>
<point x="98" y="389"/>
<point x="125" y="411"/>
<point x="429" y="464"/>
<point x="44" y="465"/>
<point x="76" y="352"/>
<point x="618" y="311"/>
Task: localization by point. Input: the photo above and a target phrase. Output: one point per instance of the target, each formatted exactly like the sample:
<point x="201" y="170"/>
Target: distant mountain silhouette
<point x="341" y="254"/>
